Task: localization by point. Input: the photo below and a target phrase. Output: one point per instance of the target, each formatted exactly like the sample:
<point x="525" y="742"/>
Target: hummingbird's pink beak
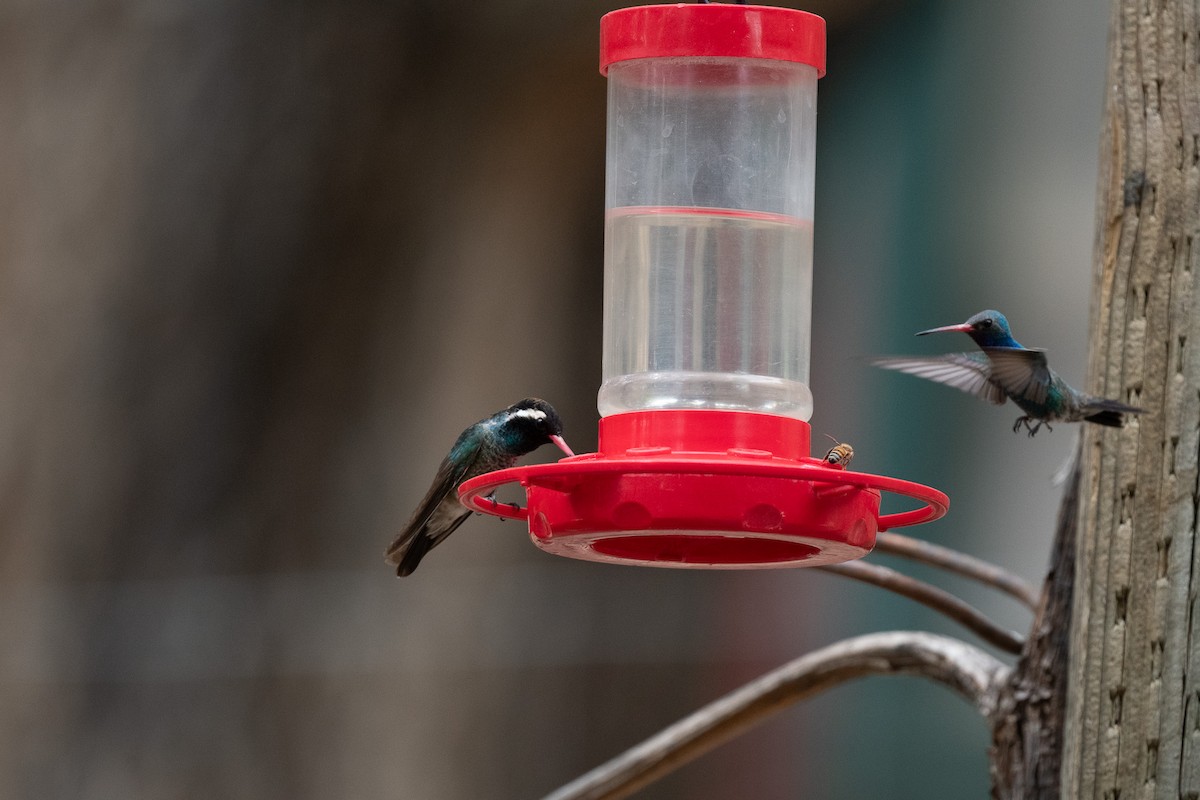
<point x="561" y="444"/>
<point x="962" y="326"/>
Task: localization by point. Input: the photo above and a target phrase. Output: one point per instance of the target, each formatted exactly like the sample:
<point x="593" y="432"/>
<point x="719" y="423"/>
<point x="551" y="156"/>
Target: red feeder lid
<point x="712" y="29"/>
<point x="702" y="489"/>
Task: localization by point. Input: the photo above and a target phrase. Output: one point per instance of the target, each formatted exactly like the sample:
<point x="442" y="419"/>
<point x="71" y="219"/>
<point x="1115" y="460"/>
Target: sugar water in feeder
<point x="709" y="207"/>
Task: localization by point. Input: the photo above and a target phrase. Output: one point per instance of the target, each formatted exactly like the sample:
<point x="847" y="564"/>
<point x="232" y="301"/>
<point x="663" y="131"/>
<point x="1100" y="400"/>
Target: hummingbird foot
<point x="1031" y="428"/>
<point x="491" y="498"/>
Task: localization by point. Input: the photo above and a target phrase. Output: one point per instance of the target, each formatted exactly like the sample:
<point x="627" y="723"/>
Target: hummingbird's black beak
<point x="962" y="327"/>
<point x="561" y="444"/>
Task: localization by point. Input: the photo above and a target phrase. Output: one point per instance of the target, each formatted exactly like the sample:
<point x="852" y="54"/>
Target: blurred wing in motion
<point x="969" y="372"/>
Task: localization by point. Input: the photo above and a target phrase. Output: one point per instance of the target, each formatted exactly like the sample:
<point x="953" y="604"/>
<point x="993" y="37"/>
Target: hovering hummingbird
<point x="1005" y="369"/>
<point x="490" y="444"/>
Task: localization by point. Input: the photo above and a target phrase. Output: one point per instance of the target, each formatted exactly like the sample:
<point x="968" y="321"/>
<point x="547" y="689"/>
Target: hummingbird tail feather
<point x="1113" y="419"/>
<point x="417" y="549"/>
<point x="1108" y="412"/>
<point x="414" y="542"/>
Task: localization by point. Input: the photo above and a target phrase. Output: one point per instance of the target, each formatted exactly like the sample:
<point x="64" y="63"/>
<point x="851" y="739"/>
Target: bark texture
<point x="1027" y="728"/>
<point x="1133" y="722"/>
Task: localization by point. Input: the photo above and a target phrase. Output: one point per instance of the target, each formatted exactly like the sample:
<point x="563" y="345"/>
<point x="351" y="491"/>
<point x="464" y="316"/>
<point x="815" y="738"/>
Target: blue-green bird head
<point x="988" y="329"/>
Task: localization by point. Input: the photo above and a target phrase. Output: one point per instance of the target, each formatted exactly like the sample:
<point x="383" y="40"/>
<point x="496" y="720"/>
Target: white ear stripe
<point x="530" y="413"/>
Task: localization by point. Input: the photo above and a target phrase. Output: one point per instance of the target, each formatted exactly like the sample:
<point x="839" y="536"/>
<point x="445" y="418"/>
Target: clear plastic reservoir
<point x="708" y="235"/>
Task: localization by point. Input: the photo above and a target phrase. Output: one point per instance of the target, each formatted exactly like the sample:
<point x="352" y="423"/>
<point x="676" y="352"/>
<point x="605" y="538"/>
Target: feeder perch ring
<point x="741" y="509"/>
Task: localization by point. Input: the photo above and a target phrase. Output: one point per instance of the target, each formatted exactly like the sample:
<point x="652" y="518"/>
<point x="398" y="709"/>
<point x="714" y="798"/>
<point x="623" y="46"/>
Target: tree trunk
<point x="1027" y="725"/>
<point x="1133" y="721"/>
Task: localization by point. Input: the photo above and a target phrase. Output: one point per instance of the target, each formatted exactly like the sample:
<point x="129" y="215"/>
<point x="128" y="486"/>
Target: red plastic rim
<point x="712" y="29"/>
<point x="569" y="473"/>
<point x="660" y="493"/>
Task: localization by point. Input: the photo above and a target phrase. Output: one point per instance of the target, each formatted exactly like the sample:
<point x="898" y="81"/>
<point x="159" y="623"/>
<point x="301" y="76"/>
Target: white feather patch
<point x="530" y="413"/>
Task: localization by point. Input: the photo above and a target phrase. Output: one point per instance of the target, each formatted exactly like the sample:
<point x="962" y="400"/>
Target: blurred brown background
<point x="261" y="262"/>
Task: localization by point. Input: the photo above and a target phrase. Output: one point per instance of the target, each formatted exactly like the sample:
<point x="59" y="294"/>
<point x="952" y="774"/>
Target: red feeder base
<point x="702" y="489"/>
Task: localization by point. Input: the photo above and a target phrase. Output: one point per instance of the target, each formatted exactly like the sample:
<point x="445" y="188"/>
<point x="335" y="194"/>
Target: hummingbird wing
<point x="452" y="471"/>
<point x="1021" y="371"/>
<point x="970" y="372"/>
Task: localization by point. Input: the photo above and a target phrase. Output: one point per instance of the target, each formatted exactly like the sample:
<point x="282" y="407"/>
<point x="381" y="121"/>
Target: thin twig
<point x="952" y="560"/>
<point x="938" y="599"/>
<point x="969" y="671"/>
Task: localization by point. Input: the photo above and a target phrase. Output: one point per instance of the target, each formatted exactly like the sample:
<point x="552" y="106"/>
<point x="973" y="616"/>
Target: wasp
<point x="840" y="454"/>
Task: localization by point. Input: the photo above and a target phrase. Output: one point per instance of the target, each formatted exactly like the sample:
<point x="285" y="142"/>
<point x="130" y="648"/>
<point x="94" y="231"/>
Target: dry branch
<point x="967" y="670"/>
<point x="938" y="599"/>
<point x="959" y="563"/>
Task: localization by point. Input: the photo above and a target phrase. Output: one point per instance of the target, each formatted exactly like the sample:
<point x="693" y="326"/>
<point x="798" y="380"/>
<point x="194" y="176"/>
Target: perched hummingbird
<point x="1005" y="369"/>
<point x="490" y="444"/>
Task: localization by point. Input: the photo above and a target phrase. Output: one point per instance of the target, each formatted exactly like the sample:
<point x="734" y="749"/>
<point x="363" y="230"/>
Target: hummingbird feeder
<point x="703" y="457"/>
